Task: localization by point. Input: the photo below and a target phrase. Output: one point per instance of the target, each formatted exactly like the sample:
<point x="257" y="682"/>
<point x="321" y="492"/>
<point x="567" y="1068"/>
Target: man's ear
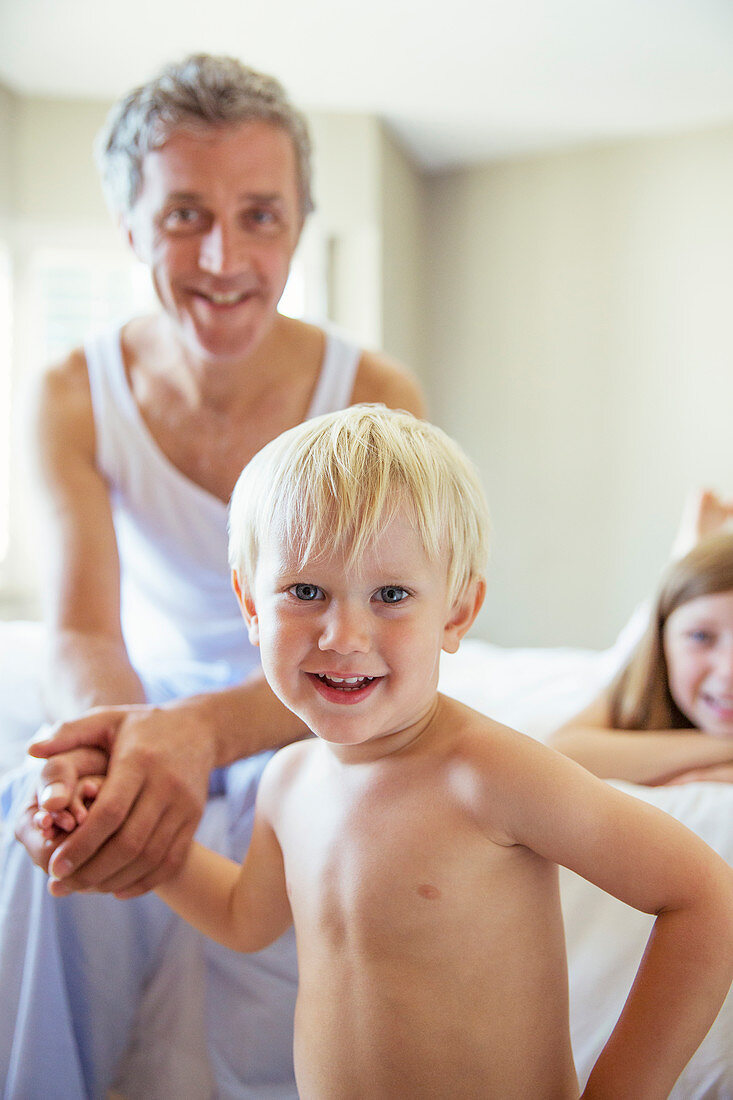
<point x="246" y="603"/>
<point x="463" y="614"/>
<point x="140" y="248"/>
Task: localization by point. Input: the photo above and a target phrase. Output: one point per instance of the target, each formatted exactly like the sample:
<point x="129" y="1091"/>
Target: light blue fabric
<point x="73" y="973"/>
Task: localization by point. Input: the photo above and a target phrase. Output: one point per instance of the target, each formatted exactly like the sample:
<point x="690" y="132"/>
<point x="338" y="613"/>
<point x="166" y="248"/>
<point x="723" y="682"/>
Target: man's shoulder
<point x="64" y="385"/>
<point x="383" y="379"/>
<point x="379" y="377"/>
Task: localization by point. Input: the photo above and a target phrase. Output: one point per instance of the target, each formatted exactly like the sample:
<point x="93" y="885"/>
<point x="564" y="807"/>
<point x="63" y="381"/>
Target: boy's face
<point x="354" y="652"/>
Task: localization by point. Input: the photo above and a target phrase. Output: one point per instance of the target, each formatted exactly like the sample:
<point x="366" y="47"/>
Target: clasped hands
<point x="117" y="802"/>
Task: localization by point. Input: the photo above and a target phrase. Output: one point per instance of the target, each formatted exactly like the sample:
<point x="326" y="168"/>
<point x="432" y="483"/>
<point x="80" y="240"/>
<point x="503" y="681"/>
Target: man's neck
<point x="215" y="382"/>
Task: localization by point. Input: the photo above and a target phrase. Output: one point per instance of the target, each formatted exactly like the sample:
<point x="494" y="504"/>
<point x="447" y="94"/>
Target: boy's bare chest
<point x="400" y="865"/>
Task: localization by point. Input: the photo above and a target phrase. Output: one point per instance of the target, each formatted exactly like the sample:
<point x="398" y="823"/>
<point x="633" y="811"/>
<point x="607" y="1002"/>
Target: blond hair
<point x="337" y="480"/>
<point x="640" y="697"/>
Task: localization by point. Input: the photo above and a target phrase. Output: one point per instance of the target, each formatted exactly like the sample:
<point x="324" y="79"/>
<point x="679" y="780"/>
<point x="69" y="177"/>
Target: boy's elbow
<point x="714" y="903"/>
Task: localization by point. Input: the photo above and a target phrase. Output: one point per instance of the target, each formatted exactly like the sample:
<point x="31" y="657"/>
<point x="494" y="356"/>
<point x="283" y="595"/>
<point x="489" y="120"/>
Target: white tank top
<point x="178" y="608"/>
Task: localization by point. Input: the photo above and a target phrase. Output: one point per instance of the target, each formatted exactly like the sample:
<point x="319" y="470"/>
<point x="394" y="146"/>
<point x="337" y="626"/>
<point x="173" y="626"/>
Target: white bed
<point x="532" y="690"/>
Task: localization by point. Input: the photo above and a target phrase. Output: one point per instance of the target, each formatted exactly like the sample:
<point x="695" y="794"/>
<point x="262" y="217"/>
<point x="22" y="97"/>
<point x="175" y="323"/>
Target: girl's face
<point x="698" y="647"/>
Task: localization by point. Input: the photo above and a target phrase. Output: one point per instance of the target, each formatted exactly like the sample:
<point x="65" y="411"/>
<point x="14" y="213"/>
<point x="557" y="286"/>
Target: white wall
<point x="404" y="250"/>
<point x="581" y="348"/>
<point x="7" y="103"/>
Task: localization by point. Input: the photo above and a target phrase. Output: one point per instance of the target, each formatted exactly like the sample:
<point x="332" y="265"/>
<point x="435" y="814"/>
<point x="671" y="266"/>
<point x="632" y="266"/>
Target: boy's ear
<point x="463" y="613"/>
<point x="244" y="598"/>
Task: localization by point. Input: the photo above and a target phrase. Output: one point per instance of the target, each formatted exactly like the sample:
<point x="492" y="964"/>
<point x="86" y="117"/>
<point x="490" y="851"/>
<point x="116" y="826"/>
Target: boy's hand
<point x="53" y="791"/>
<point x="58" y="814"/>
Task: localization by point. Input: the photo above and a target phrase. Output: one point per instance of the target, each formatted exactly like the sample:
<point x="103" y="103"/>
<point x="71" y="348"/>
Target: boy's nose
<point x="345" y="630"/>
<point x="221" y="251"/>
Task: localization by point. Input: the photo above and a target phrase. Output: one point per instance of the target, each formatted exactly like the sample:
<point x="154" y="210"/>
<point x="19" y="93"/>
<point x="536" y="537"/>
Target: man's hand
<point x="139" y="828"/>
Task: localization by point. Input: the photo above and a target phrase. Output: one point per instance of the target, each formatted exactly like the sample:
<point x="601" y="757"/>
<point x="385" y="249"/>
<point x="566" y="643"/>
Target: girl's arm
<point x="650" y="861"/>
<point x="650" y="757"/>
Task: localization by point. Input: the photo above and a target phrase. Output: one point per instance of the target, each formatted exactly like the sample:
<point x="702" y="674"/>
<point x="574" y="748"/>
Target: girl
<point x="668" y="717"/>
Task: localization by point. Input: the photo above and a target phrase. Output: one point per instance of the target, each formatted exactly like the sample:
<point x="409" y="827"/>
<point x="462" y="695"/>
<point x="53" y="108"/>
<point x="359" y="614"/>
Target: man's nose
<point x="345" y="630"/>
<point x="222" y="250"/>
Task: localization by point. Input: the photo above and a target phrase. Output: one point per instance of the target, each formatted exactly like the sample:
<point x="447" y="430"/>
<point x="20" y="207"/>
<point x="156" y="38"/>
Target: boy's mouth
<point x="344" y="683"/>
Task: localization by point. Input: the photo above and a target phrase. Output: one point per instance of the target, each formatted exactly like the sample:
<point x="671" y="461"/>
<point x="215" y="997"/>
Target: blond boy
<point x="414" y="843"/>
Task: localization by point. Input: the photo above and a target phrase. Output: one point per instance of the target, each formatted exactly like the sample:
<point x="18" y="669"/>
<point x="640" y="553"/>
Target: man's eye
<point x="306" y="592"/>
<point x="261" y="217"/>
<point x="181" y="218"/>
<point x="392" y="593"/>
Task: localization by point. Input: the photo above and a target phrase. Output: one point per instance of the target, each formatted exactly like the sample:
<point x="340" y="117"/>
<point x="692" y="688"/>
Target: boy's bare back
<point x="431" y="950"/>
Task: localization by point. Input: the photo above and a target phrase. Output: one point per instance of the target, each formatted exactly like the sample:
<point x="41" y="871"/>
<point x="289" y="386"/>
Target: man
<point x="140" y="439"/>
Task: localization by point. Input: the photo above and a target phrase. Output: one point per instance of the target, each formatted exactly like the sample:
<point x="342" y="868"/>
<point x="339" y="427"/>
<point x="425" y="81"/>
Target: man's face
<point x="217" y="221"/>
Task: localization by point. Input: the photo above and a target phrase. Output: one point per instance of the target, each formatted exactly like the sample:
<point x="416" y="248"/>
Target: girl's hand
<point x="704" y="514"/>
<point x="716" y="773"/>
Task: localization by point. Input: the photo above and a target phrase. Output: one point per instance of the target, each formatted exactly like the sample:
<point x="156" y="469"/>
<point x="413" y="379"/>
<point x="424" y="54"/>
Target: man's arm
<point x="88" y="664"/>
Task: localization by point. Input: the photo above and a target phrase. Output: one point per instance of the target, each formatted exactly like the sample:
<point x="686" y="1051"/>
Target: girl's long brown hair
<point x="640" y="698"/>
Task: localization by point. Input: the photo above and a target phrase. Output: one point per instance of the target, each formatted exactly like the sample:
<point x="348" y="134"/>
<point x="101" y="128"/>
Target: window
<point x="75" y="291"/>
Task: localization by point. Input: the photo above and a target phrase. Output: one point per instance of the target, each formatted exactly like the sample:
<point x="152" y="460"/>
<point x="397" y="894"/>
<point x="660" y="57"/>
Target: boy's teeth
<point x="349" y="680"/>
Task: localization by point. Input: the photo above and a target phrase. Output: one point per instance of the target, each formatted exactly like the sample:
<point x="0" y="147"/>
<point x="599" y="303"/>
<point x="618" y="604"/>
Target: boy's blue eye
<point x="392" y="593"/>
<point x="306" y="592"/>
<point x="701" y="636"/>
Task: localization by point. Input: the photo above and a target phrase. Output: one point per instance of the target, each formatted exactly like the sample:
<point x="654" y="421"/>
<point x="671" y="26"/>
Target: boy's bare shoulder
<point x="475" y="733"/>
<point x="495" y="768"/>
<point x="284" y="767"/>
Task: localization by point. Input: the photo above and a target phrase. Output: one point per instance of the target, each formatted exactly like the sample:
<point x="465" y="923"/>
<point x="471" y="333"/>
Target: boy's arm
<point x="650" y="861"/>
<point x="245" y="908"/>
